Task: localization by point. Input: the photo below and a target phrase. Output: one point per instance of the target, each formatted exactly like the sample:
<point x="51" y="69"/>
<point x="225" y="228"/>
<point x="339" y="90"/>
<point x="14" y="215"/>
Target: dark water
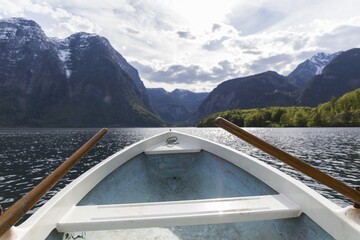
<point x="28" y="155"/>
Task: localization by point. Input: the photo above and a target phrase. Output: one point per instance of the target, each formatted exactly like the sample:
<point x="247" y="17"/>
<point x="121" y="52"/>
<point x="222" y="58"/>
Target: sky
<point x="197" y="44"/>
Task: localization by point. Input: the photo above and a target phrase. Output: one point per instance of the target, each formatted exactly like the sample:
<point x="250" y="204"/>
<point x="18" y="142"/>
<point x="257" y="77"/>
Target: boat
<point x="178" y="186"/>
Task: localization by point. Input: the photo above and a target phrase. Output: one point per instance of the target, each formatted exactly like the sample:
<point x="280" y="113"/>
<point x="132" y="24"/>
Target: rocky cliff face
<point x="78" y="81"/>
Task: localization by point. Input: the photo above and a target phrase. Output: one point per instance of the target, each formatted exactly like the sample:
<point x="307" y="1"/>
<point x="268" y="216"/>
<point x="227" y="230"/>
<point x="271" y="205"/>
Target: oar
<point x="18" y="209"/>
<point x="292" y="161"/>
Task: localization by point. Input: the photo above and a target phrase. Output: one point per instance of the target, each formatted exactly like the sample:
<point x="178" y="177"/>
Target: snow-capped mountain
<point x="339" y="76"/>
<point x="320" y="60"/>
<point x="311" y="67"/>
<point x="80" y="80"/>
<point x="23" y="49"/>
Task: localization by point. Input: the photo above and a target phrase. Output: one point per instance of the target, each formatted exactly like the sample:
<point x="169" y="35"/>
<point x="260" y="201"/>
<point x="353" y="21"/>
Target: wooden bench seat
<point x="164" y="214"/>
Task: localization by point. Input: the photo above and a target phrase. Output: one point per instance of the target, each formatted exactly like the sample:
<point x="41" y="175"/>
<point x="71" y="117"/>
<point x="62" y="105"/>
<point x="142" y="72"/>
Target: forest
<point x="338" y="112"/>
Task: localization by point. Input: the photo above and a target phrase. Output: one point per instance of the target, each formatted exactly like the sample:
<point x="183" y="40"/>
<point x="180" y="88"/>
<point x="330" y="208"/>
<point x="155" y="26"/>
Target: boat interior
<point x="190" y="194"/>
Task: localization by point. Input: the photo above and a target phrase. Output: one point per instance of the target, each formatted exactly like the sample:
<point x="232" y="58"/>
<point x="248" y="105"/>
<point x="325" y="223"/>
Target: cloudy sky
<point x="196" y="44"/>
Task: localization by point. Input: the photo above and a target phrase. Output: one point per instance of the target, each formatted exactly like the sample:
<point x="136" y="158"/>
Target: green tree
<point x="276" y="114"/>
<point x="333" y="104"/>
<point x="255" y="119"/>
<point x="300" y="119"/>
<point x="314" y="120"/>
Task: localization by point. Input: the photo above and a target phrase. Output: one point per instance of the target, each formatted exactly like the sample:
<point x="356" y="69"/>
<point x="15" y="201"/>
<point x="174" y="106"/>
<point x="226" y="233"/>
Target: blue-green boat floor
<point x="174" y="177"/>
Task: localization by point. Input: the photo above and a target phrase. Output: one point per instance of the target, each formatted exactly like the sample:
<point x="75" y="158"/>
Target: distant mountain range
<point x="83" y="81"/>
<point x="177" y="106"/>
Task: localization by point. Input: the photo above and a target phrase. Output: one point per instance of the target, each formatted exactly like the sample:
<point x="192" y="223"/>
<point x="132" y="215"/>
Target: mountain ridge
<point x="267" y="89"/>
<point x="78" y="81"/>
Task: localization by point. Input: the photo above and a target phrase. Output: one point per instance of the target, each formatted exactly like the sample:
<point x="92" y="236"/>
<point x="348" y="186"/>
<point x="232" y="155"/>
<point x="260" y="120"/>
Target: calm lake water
<point x="28" y="155"/>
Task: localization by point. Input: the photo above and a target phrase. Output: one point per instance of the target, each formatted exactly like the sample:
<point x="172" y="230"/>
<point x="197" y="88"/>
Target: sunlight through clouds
<point x="200" y="15"/>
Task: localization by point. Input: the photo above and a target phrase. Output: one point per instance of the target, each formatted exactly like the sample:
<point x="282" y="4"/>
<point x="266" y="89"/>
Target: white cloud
<point x="188" y="75"/>
<point x="75" y="24"/>
<point x="12" y="8"/>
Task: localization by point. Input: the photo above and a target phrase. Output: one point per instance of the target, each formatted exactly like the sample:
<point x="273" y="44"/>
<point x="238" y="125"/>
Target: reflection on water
<point x="27" y="155"/>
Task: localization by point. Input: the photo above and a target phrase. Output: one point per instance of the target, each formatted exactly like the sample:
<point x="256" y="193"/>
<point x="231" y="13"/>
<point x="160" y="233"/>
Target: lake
<point x="28" y="155"/>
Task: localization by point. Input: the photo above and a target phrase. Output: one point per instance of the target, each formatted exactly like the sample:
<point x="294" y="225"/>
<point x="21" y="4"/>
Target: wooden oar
<point x="292" y="161"/>
<point x="17" y="210"/>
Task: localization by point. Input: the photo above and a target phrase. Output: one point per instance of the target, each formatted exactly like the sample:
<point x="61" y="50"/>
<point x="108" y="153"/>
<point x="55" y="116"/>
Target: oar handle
<point x="18" y="209"/>
<point x="290" y="160"/>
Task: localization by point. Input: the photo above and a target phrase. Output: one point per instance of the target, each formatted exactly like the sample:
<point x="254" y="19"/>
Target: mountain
<point x="177" y="106"/>
<point x="309" y="68"/>
<point x="190" y="100"/>
<point x="341" y="75"/>
<point x="78" y="81"/>
<point x="257" y="91"/>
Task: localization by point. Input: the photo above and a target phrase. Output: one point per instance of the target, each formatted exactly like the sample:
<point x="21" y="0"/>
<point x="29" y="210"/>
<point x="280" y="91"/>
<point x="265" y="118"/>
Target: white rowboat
<point x="177" y="186"/>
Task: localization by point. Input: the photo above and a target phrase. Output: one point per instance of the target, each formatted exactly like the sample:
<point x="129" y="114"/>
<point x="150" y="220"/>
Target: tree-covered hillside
<point x="342" y="112"/>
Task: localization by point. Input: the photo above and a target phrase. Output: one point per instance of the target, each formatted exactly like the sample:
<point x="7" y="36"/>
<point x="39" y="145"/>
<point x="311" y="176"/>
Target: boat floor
<point x="155" y="178"/>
